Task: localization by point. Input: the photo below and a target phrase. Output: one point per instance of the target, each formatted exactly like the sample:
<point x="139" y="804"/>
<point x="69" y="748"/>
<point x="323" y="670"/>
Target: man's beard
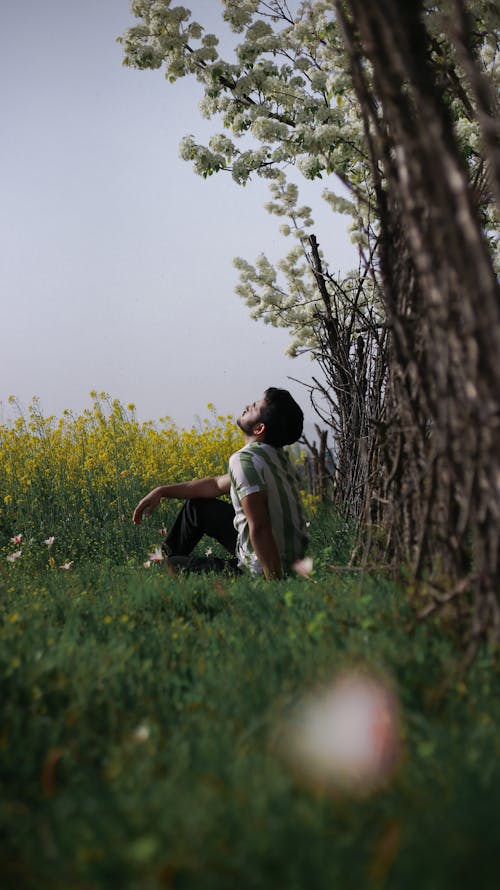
<point x="245" y="426"/>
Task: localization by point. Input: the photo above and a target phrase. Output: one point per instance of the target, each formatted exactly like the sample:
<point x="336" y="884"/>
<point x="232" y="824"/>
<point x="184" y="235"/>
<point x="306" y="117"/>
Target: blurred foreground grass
<point x="139" y="715"/>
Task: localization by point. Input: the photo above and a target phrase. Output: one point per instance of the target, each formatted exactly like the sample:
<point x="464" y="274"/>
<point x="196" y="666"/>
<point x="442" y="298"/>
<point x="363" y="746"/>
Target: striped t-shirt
<point x="261" y="467"/>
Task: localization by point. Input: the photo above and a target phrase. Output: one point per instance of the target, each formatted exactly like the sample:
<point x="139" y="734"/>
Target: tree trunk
<point x="439" y="485"/>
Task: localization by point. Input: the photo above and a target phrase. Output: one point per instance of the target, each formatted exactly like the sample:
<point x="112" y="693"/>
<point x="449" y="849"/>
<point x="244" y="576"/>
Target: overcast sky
<point x="116" y="261"/>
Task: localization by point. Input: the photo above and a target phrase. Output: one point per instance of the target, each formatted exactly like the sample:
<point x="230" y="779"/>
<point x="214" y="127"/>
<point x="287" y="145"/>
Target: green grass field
<point x="139" y="718"/>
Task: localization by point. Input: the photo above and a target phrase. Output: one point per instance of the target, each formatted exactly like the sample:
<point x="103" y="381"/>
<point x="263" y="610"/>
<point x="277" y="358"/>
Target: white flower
<point x="141" y="733"/>
<point x="156" y="555"/>
<point x="13" y="556"/>
<point x="49" y="541"/>
<point x="67" y="566"/>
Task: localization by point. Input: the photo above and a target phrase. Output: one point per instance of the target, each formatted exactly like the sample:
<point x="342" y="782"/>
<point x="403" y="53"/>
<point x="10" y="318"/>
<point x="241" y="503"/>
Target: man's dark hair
<point x="282" y="416"/>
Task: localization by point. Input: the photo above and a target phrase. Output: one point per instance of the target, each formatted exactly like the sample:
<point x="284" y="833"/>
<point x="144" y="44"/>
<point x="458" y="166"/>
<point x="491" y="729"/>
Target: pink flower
<point x="347" y="735"/>
<point x="16" y="539"/>
<point x="147" y="564"/>
<point x="49" y="541"/>
<point x="303" y="567"/>
<point x="163" y="532"/>
<point x="13" y="556"/>
<point x="156" y="555"/>
<point x="67" y="566"/>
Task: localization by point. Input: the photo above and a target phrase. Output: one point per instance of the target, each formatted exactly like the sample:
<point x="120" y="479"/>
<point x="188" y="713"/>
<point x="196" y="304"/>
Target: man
<point x="265" y="525"/>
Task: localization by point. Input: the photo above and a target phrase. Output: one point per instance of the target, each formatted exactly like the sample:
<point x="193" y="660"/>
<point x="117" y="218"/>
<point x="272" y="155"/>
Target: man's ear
<point x="259" y="429"/>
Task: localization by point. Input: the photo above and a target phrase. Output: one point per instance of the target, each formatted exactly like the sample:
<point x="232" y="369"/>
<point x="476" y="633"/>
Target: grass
<point x="139" y="715"/>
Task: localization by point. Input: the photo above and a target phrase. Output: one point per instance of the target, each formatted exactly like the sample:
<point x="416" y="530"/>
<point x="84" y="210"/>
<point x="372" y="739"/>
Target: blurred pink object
<point x="67" y="566"/>
<point x="347" y="735"/>
<point x="16" y="539"/>
<point x="303" y="567"/>
<point x="13" y="556"/>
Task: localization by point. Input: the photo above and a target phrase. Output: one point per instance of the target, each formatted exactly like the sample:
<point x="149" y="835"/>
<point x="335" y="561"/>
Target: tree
<point x="441" y="296"/>
<point x="392" y="100"/>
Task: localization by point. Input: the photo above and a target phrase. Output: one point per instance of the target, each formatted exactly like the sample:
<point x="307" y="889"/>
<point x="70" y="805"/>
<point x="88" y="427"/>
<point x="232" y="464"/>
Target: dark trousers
<point x="198" y="517"/>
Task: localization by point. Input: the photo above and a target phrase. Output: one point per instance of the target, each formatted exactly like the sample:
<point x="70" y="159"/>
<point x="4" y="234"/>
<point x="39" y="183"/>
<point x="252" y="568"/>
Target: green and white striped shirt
<point x="261" y="467"/>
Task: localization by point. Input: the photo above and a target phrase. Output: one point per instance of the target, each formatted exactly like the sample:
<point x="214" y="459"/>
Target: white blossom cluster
<point x="283" y="92"/>
<point x="287" y="92"/>
<point x="286" y="98"/>
<point x="286" y="294"/>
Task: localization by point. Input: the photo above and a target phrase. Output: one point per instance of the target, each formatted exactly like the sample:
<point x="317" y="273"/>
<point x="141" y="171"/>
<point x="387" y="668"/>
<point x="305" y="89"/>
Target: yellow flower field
<point x="76" y="477"/>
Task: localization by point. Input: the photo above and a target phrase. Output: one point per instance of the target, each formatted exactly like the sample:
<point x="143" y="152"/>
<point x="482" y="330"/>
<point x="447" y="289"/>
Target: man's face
<point x="250" y="416"/>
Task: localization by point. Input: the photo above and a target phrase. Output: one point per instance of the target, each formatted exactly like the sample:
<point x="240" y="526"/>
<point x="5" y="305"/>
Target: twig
<point x="441" y="599"/>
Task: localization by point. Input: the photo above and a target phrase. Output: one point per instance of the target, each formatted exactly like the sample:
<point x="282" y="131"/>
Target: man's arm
<point x="210" y="487"/>
<point x="256" y="510"/>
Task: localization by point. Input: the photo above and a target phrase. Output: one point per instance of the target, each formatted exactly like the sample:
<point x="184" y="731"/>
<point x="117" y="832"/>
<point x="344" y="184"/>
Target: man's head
<point x="276" y="419"/>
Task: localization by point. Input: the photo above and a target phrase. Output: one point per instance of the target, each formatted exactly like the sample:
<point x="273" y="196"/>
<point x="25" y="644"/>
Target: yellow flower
<point x="84" y="464"/>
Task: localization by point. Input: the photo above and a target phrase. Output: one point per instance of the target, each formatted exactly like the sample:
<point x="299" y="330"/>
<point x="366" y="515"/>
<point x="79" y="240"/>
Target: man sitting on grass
<point x="265" y="525"/>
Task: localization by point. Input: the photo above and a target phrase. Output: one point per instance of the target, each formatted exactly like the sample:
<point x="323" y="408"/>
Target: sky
<point x="116" y="268"/>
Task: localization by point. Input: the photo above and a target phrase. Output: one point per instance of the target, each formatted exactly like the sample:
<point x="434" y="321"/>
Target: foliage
<point x="285" y="99"/>
<point x="285" y="96"/>
<point x="139" y="713"/>
<point x="282" y="93"/>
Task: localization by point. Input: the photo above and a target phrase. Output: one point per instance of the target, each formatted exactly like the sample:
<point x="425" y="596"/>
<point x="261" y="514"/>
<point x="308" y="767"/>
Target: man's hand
<point x="147" y="505"/>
